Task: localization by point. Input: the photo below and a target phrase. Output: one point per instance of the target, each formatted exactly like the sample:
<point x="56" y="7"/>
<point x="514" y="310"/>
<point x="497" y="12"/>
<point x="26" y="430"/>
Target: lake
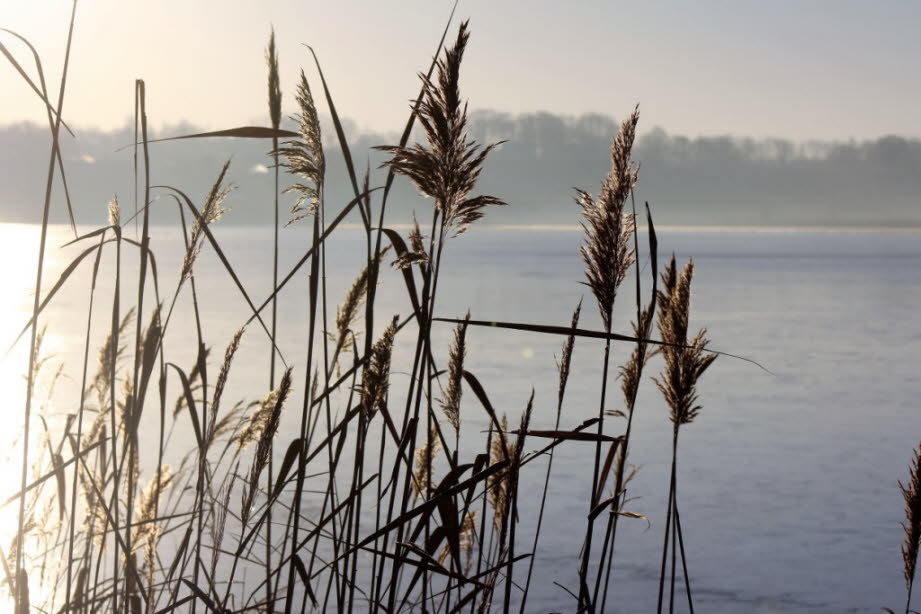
<point x="789" y="477"/>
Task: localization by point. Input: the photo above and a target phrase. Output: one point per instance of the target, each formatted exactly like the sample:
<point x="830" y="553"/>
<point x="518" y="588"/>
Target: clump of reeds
<point x="372" y="505"/>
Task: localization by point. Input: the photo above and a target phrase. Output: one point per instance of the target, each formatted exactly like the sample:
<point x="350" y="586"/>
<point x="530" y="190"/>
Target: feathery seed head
<point x="566" y="357"/>
<point x="448" y="166"/>
<point x="685" y="359"/>
<point x="912" y="525"/>
<point x="607" y="251"/>
<point x="115" y="216"/>
<point x="271" y="56"/>
<point x="376" y="378"/>
<point x="210" y="212"/>
<point x="304" y="158"/>
<point x="450" y="404"/>
<point x="425" y="457"/>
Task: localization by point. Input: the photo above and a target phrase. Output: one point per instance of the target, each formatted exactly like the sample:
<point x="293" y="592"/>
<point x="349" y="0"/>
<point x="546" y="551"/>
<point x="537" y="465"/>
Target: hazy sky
<point x="818" y="69"/>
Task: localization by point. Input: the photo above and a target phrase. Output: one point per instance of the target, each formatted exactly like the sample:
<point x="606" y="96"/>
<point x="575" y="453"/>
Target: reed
<point x="912" y="525"/>
<point x="607" y="255"/>
<point x="686" y="360"/>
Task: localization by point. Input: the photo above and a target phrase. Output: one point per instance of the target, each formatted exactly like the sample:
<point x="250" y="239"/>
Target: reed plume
<point x="565" y="361"/>
<point x="450" y="403"/>
<point x="214" y="426"/>
<point x="447" y="168"/>
<point x="416" y="254"/>
<point x="424" y="457"/>
<point x="606" y="251"/>
<point x="498" y="485"/>
<point x="304" y="157"/>
<point x="261" y="419"/>
<point x="115" y="216"/>
<point x="912" y="525"/>
<point x="262" y="427"/>
<point x="274" y="83"/>
<point x="631" y="371"/>
<point x="211" y="211"/>
<point x="348" y="311"/>
<point x="149" y="529"/>
<point x="685" y="360"/>
<point x="376" y="378"/>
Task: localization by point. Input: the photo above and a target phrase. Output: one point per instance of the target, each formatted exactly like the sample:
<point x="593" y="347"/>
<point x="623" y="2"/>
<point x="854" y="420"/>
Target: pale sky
<point x="817" y="69"/>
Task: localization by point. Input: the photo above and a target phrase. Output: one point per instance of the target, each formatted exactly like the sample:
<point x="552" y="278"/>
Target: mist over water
<point x="789" y="491"/>
<point x="709" y="180"/>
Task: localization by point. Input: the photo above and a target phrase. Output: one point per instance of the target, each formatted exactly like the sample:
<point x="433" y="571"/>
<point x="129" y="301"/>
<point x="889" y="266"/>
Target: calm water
<point x="788" y="483"/>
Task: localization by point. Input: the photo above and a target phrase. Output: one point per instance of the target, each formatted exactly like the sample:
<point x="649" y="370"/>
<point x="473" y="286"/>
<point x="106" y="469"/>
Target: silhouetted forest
<point x="705" y="180"/>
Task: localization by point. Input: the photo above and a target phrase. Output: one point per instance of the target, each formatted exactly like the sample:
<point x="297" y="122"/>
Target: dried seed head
<point x="416" y="253"/>
<point x="148" y="529"/>
<point x="607" y="251"/>
<point x="631" y="372"/>
<point x="115" y="216"/>
<point x="685" y="360"/>
<point x="425" y="456"/>
<point x="448" y="166"/>
<point x="271" y="57"/>
<point x="498" y="483"/>
<point x="912" y="524"/>
<point x="266" y="422"/>
<point x="376" y="378"/>
<point x="450" y="404"/>
<point x="213" y="424"/>
<point x="304" y="158"/>
<point x="210" y="212"/>
<point x="566" y="356"/>
<point x="347" y="313"/>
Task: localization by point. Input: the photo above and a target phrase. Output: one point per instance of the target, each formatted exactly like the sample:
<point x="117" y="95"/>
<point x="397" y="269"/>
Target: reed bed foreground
<point x="365" y="495"/>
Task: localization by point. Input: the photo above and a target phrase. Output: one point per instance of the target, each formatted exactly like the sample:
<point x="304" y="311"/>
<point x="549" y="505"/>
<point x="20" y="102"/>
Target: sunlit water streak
<point x="789" y="492"/>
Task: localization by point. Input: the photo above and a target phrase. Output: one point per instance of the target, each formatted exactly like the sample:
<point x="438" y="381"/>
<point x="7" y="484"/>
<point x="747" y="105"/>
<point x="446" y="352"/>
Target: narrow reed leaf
<point x="43" y="95"/>
<point x="305" y="578"/>
<point x="480" y="393"/>
<point x="190" y="404"/>
<point x="243" y="132"/>
<point x="294" y="450"/>
<point x="569" y="435"/>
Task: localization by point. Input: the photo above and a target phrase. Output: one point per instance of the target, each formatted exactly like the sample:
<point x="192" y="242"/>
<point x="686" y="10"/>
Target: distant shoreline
<point x="674" y="228"/>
